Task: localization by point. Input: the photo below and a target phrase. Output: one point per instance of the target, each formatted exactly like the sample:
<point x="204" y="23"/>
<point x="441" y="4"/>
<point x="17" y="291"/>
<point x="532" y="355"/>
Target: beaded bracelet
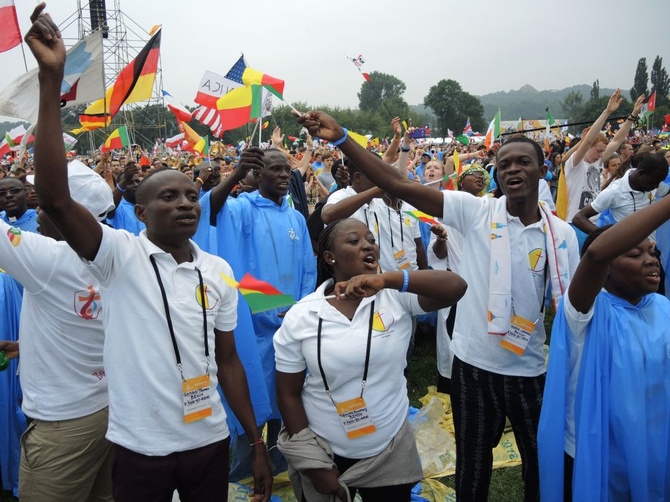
<point x="342" y="139"/>
<point x="405" y="281"/>
<point x="255" y="443"/>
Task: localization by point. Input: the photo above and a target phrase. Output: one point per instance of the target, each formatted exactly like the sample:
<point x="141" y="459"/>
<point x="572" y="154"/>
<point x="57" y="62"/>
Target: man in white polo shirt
<point x="168" y="322"/>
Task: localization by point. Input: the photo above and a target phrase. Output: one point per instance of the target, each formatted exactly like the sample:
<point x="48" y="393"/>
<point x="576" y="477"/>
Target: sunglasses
<point x="12" y="191"/>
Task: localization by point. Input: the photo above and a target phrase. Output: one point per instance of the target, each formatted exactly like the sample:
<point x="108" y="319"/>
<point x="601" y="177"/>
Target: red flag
<point x="651" y="104"/>
<point x="366" y="76"/>
<point x="667" y="119"/>
<point x="10" y="35"/>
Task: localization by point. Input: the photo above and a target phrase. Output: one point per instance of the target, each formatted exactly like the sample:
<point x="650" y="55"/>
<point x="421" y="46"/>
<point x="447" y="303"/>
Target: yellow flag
<point x="359" y="138"/>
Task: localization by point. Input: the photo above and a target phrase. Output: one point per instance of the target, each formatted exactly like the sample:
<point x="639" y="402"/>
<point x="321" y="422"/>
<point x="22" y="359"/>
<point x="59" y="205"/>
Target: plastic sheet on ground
<point x="438" y="464"/>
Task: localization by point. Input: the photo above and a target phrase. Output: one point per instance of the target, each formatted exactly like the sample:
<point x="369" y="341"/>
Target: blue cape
<point x="229" y="247"/>
<point x="622" y="404"/>
<point x="12" y="420"/>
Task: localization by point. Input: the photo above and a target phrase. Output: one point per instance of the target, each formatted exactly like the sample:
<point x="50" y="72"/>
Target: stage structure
<point x="123" y="39"/>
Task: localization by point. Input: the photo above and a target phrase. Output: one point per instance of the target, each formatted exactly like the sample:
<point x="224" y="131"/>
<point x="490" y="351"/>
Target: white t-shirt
<point x="146" y="413"/>
<point x="577" y="324"/>
<point x="622" y="200"/>
<point x="544" y="194"/>
<point x="61" y="333"/>
<point x="471" y="341"/>
<point x="583" y="182"/>
<point x="343" y="347"/>
<point x="396" y="233"/>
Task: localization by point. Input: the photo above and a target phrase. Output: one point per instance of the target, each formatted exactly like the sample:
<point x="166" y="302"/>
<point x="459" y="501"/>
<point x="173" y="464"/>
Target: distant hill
<point x="529" y="103"/>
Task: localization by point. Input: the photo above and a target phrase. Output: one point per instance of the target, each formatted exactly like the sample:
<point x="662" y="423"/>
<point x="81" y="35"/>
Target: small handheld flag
<point x="259" y="295"/>
<point x="421" y="216"/>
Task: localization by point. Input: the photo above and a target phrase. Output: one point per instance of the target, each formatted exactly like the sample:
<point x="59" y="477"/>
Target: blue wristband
<point x="342" y="139"/>
<point x="118" y="187"/>
<point x="405" y="281"/>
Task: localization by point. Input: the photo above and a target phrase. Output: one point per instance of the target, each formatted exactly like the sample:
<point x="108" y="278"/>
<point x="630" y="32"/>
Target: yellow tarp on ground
<point x="506" y="454"/>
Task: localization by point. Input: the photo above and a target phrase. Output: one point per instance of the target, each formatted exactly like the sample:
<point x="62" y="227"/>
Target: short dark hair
<point x="143" y="187"/>
<point x="518" y="138"/>
<point x="650" y="163"/>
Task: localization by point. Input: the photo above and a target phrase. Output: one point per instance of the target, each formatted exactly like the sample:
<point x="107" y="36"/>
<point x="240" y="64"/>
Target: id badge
<point x="355" y="418"/>
<point x="197" y="403"/>
<point x="401" y="259"/>
<point x="518" y="336"/>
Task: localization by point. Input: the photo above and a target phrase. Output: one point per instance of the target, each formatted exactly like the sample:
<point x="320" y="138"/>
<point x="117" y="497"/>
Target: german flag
<point x="135" y="83"/>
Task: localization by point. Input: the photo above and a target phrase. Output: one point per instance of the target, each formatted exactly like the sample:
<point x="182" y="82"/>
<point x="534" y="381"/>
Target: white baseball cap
<point x="88" y="188"/>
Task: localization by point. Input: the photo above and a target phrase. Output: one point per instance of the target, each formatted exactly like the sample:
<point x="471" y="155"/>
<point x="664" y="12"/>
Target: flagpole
<point x="253" y="133"/>
<point x="25" y="63"/>
<point x="260" y="131"/>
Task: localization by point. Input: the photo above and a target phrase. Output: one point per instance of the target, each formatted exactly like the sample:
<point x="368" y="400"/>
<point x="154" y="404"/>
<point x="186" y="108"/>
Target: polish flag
<point x="10" y="35"/>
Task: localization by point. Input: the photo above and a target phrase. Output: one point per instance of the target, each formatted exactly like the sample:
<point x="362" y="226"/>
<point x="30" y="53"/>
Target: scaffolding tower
<point x="123" y="39"/>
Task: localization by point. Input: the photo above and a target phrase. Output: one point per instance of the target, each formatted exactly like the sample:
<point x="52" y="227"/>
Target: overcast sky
<point x="486" y="45"/>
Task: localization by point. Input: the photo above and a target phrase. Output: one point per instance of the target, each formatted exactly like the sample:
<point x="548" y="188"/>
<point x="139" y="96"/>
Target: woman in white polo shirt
<point x="340" y="356"/>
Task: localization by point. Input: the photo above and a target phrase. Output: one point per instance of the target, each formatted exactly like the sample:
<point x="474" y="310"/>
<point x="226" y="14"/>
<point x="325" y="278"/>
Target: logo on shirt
<point x="14" y="235"/>
<point x="87" y="303"/>
<point x="536" y="260"/>
<point x="210" y="296"/>
<point x="292" y="235"/>
<point x="382" y="320"/>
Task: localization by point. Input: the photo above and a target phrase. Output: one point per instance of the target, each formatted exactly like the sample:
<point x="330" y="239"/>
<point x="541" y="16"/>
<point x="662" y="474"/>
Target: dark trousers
<point x="481" y="401"/>
<point x="199" y="475"/>
<point x="568" y="469"/>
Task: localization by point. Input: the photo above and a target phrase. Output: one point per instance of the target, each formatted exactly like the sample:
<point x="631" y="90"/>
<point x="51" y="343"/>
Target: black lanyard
<point x="402" y="235"/>
<point x="169" y="317"/>
<point x="367" y="224"/>
<point x="367" y="354"/>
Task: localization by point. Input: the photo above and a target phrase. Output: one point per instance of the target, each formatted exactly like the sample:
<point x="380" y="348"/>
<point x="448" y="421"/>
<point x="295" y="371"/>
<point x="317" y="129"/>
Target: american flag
<point x="235" y="73"/>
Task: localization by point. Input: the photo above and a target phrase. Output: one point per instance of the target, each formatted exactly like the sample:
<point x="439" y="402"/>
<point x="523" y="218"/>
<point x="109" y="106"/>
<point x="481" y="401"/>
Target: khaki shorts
<point x="66" y="461"/>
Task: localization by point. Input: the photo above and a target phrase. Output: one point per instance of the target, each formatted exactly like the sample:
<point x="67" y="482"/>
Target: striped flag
<point x="209" y="117"/>
<point x="118" y="139"/>
<point x="10" y="35"/>
<point x="135" y="83"/>
<point x="493" y="131"/>
<point x="244" y="74"/>
<point x="239" y="106"/>
<point x="180" y="111"/>
<point x="467" y="130"/>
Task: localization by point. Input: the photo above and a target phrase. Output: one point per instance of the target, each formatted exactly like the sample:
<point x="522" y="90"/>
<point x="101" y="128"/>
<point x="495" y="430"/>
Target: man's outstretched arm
<point x="77" y="225"/>
<point x="382" y="174"/>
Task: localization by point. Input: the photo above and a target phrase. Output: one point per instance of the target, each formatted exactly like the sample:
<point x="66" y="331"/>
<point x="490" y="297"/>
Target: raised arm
<point x="395" y="142"/>
<point x="623" y="131"/>
<point x="594" y="130"/>
<point x="623" y="236"/>
<point x="436" y="289"/>
<point x="381" y="173"/>
<point x="76" y="224"/>
<point x="251" y="158"/>
<point x="346" y="207"/>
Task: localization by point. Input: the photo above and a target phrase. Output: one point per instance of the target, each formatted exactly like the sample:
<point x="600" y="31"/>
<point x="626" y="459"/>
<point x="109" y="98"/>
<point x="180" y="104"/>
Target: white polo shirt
<point x="622" y="200"/>
<point x="61" y="332"/>
<point x="471" y="341"/>
<point x="145" y="388"/>
<point x="395" y="232"/>
<point x="343" y="347"/>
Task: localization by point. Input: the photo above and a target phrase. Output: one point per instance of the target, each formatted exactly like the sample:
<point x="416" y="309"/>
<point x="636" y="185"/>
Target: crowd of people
<point x="143" y="371"/>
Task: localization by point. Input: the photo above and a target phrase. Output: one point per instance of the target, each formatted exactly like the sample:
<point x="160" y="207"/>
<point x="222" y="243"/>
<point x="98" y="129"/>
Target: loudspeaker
<point x="99" y="16"/>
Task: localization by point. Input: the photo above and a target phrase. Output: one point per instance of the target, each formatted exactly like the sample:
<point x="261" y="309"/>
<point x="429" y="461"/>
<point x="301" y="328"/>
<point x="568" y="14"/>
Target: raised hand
<point x="614" y="101"/>
<point x="321" y="125"/>
<point x="638" y="105"/>
<point x="45" y="42"/>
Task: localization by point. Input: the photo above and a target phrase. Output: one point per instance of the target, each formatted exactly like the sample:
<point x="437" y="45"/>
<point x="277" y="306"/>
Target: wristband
<point x="342" y="139"/>
<point x="405" y="281"/>
<point x="403" y="149"/>
<point x="633" y="118"/>
<point x="441" y="239"/>
<point x="200" y="180"/>
<point x="118" y="187"/>
<point x="256" y="443"/>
